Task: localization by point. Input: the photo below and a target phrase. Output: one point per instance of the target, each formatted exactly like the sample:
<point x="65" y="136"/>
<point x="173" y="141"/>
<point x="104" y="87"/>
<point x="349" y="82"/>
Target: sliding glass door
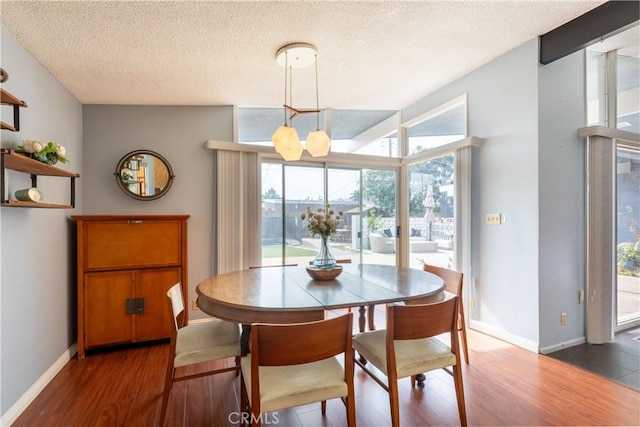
<point x="432" y="212"/>
<point x="367" y="198"/>
<point x="628" y="236"/>
<point x="379" y="224"/>
<point x="343" y="192"/>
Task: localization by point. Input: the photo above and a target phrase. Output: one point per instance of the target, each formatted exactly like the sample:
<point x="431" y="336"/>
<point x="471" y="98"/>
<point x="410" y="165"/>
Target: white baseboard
<point x="504" y="335"/>
<point x="25" y="400"/>
<point x="562" y="345"/>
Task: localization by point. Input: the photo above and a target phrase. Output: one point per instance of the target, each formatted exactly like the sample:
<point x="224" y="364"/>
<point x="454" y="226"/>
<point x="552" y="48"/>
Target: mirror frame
<point x="124" y="187"/>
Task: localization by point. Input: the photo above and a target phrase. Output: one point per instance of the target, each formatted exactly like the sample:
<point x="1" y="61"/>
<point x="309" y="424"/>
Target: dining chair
<point x="408" y="347"/>
<point x="196" y="343"/>
<point x="296" y="364"/>
<point x="453" y="283"/>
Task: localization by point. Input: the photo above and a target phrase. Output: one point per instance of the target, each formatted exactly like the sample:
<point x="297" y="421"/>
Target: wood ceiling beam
<point x="604" y="21"/>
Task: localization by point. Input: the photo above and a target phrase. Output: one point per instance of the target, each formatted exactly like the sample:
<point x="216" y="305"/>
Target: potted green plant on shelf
<point x="50" y="153"/>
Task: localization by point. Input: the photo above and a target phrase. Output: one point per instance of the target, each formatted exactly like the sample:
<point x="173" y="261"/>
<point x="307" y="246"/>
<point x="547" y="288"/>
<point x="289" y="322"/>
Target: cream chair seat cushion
<point x="295" y="385"/>
<point x="223" y="339"/>
<point x="412" y="356"/>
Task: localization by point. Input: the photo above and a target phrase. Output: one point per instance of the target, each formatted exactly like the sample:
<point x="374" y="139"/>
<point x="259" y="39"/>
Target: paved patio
<point x="441" y="257"/>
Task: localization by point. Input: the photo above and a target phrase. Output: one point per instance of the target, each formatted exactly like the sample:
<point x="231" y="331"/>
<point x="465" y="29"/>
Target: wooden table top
<point x="289" y="294"/>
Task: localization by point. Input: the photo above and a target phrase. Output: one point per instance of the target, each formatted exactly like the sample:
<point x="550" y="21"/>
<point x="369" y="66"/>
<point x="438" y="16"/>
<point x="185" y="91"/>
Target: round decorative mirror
<point x="144" y="175"/>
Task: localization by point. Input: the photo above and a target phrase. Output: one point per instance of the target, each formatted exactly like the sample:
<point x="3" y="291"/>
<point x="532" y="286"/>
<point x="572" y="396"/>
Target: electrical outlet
<point x="471" y="304"/>
<point x="563" y="319"/>
<point x="492" y="219"/>
<point x="194" y="304"/>
<point x="474" y="283"/>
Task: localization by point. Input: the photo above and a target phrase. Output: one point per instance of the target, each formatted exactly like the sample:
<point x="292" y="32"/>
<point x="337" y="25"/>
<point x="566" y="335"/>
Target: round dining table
<point x="287" y="294"/>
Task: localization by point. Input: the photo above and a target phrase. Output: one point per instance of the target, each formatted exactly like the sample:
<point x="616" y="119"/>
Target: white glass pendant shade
<point x="293" y="151"/>
<point x="286" y="142"/>
<point x="318" y="143"/>
<point x="283" y="137"/>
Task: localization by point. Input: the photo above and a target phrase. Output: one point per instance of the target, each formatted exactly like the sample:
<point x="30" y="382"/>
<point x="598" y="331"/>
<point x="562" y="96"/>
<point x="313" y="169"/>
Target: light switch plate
<point x="492" y="219"/>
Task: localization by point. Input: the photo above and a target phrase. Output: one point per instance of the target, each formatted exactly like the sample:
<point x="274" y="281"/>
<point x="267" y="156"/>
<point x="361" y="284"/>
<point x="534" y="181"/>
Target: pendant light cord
<point x="291" y="94"/>
<point x="286" y="66"/>
<point x="317" y="101"/>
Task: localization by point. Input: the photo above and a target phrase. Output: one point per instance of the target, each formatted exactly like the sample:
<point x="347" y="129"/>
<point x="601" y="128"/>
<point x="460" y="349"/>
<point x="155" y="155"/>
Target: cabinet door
<point x="117" y="245"/>
<point x="152" y="285"/>
<point x="105" y="308"/>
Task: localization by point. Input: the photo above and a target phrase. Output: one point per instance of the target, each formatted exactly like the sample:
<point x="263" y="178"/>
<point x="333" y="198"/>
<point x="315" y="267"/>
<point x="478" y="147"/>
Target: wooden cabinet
<point x="126" y="264"/>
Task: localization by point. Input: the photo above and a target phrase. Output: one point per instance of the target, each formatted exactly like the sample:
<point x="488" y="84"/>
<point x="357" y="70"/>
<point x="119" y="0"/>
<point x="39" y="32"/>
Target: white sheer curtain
<point x="463" y="159"/>
<point x="237" y="211"/>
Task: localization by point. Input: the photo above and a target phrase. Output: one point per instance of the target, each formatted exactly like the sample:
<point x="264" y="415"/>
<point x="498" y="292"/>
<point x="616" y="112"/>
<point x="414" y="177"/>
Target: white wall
<point x="38" y="296"/>
<point x="178" y="133"/>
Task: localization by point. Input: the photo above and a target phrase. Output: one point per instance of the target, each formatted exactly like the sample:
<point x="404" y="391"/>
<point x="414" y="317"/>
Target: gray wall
<point x="38" y="296"/>
<point x="178" y="133"/>
<point x="531" y="169"/>
<point x="562" y="199"/>
<point x="502" y="109"/>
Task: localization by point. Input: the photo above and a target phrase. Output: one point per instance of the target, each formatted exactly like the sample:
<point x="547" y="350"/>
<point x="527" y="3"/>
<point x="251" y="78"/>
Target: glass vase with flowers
<point x="323" y="222"/>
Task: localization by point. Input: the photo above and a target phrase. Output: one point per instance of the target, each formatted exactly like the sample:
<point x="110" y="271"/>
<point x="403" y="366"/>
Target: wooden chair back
<point x="452" y="279"/>
<point x="301" y="344"/>
<point x="453" y="284"/>
<point x="408" y="322"/>
<point x="294" y="344"/>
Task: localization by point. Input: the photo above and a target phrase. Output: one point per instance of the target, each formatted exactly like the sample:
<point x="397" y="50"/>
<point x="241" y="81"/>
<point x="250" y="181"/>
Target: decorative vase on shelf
<point x="324" y="259"/>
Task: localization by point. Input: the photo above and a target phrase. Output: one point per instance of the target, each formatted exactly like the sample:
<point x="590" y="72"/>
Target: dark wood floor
<point x="504" y="386"/>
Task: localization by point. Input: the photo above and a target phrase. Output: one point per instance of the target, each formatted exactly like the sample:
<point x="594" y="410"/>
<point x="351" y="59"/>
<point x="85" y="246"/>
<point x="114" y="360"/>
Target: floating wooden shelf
<point x="20" y="204"/>
<point x="8" y="99"/>
<point x="20" y="163"/>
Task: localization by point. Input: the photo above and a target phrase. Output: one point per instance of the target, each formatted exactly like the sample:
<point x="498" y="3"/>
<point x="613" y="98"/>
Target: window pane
<point x="344" y="195"/>
<point x="596" y="89"/>
<point x="628" y="104"/>
<point x="284" y="236"/>
<point x="256" y="125"/>
<point x="439" y="129"/>
<point x="346" y="124"/>
<point x="303" y="186"/>
<point x="379" y="216"/>
<point x="385" y="147"/>
<point x="431" y="212"/>
<point x="272" y="205"/>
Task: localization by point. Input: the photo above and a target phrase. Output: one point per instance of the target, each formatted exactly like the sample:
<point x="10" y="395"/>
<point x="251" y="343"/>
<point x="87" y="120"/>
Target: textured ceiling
<point x="372" y="55"/>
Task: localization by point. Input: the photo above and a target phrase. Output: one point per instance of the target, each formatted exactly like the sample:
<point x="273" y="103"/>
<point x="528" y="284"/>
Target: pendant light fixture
<point x="285" y="139"/>
<point x="318" y="142"/>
